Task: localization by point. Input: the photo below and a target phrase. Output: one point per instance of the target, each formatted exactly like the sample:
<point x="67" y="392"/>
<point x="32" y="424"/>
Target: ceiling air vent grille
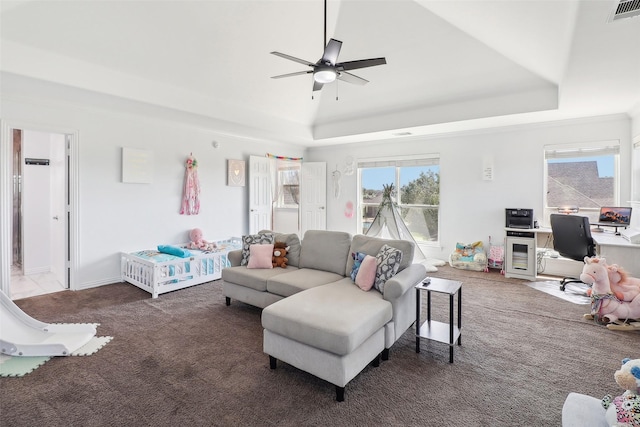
<point x="625" y="9"/>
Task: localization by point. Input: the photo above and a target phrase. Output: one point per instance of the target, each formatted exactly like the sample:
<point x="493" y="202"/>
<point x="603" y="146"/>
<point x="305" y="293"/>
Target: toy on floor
<point x="624" y="410"/>
<point x="623" y="286"/>
<point x="279" y="258"/>
<point x="469" y="256"/>
<point x="198" y="242"/>
<point x="22" y="335"/>
<point x="605" y="306"/>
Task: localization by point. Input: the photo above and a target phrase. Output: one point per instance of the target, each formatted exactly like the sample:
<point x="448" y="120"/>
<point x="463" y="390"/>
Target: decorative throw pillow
<point x="260" y="256"/>
<point x="357" y="260"/>
<point x="174" y="250"/>
<point x="388" y="260"/>
<point x="253" y="239"/>
<point x="367" y="273"/>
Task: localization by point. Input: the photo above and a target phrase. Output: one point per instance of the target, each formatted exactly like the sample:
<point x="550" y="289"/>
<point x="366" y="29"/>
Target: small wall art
<point x="137" y="166"/>
<point x="235" y="173"/>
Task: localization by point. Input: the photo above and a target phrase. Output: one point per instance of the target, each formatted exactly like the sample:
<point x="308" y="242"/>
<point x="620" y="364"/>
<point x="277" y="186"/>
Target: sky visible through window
<point x="374" y="178"/>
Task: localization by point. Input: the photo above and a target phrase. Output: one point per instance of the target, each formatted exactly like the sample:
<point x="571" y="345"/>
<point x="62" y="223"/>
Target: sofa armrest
<point x="404" y="281"/>
<point x="235" y="257"/>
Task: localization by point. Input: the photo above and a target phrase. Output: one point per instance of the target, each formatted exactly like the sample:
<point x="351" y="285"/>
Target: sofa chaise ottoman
<point x="315" y="317"/>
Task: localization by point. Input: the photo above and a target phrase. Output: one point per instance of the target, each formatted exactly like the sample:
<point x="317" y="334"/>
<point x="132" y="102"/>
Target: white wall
<point x="114" y="216"/>
<point x="473" y="209"/>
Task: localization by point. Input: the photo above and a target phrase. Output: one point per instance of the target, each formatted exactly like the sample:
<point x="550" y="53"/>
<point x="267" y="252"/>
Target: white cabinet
<point x="520" y="256"/>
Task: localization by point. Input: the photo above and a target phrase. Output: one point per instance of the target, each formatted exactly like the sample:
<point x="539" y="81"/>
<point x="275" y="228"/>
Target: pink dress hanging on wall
<point x="191" y="193"/>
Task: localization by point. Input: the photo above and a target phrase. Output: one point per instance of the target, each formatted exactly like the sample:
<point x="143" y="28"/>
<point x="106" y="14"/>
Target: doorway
<point x="40" y="225"/>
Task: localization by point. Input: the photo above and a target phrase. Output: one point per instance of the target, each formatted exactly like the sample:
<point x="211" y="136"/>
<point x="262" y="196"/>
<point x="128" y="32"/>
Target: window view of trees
<point x="417" y="198"/>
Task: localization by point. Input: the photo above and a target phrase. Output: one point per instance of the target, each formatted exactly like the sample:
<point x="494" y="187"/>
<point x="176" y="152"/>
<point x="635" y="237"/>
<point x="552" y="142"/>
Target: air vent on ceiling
<point x="625" y="9"/>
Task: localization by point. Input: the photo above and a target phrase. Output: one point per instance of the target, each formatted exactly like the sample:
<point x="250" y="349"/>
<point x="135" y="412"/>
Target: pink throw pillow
<point x="367" y="273"/>
<point x="260" y="256"/>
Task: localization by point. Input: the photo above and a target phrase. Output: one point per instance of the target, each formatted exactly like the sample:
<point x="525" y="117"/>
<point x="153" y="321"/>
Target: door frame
<point x="6" y="201"/>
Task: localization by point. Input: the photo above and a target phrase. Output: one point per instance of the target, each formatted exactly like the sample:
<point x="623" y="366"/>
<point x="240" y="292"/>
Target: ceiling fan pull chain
<point x="336" y="90"/>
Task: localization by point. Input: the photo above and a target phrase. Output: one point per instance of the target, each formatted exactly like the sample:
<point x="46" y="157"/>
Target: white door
<point x="59" y="207"/>
<point x="259" y="194"/>
<point x="313" y="196"/>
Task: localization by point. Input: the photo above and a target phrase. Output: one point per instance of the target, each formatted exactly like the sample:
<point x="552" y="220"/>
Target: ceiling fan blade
<point x="351" y="78"/>
<point x="332" y="51"/>
<point x="317" y="86"/>
<point x="298" y="73"/>
<point x="361" y="63"/>
<point x="293" y="58"/>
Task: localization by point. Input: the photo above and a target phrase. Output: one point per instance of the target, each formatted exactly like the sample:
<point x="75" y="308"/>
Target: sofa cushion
<point x="388" y="262"/>
<point x="305" y="278"/>
<point x="326" y="250"/>
<point x="367" y="273"/>
<point x="260" y="256"/>
<point x="337" y="317"/>
<point x="292" y="241"/>
<point x="372" y="245"/>
<point x="253" y="239"/>
<point x="252" y="278"/>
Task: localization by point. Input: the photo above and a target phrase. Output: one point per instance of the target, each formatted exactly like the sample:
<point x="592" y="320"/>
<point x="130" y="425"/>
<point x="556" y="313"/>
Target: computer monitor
<point x="615" y="216"/>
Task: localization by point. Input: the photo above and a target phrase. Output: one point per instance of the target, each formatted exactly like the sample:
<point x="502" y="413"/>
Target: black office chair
<point x="572" y="239"/>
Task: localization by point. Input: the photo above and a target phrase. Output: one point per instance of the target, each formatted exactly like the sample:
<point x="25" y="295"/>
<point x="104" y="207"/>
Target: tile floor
<point x="32" y="285"/>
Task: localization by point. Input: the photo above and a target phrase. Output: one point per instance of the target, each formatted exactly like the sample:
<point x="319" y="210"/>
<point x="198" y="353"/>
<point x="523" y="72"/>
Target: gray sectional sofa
<point x="315" y="317"/>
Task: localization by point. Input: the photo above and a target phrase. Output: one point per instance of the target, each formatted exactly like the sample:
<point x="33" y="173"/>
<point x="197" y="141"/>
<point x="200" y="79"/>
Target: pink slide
<point x="22" y="335"/>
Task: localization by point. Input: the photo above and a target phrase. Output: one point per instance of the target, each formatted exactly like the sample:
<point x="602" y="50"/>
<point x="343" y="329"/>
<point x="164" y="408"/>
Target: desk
<point x="618" y="250"/>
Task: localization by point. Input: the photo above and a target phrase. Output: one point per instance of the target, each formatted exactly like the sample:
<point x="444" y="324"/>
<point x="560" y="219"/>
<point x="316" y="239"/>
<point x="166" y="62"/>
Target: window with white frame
<point x="288" y="184"/>
<point x="584" y="176"/>
<point x="416" y="195"/>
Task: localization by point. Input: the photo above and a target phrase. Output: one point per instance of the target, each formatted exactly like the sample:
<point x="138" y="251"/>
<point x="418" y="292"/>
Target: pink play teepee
<point x="191" y="193"/>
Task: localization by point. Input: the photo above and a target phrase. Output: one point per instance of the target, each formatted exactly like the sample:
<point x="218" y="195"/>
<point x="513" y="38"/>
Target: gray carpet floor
<point x="187" y="359"/>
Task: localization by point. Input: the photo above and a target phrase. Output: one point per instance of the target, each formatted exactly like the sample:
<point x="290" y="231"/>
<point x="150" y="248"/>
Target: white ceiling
<point x="451" y="65"/>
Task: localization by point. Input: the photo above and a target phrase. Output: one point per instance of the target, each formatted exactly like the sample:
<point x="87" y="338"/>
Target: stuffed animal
<point x="198" y="242"/>
<point x="279" y="258"/>
<point x="605" y="306"/>
<point x="625" y="287"/>
<point x="624" y="410"/>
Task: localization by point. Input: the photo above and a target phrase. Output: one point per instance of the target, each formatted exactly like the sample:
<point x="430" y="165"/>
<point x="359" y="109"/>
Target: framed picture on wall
<point x="235" y="173"/>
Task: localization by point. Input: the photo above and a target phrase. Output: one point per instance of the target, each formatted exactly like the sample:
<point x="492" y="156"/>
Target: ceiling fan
<point x="327" y="69"/>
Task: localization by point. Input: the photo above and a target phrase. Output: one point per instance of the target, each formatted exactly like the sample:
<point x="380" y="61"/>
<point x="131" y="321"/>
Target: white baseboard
<point x="97" y="283"/>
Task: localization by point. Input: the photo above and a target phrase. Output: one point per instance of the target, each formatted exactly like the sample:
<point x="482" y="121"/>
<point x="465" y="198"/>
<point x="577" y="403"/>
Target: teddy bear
<point x="198" y="242"/>
<point x="624" y="410"/>
<point x="279" y="258"/>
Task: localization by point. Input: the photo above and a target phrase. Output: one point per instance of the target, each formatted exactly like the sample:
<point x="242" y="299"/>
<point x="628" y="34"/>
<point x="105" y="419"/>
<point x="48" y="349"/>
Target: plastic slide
<point x="22" y="335"/>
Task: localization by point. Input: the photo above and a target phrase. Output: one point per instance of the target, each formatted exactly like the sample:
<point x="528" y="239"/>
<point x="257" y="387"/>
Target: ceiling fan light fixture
<point x="324" y="75"/>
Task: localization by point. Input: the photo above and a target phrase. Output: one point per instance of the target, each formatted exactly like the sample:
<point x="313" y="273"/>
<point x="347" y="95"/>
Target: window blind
<point x="587" y="151"/>
<point x="429" y="161"/>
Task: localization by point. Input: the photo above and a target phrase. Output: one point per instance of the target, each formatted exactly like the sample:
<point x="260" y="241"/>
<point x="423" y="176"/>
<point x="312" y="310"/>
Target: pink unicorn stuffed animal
<point x="605" y="306"/>
<point x="624" y="286"/>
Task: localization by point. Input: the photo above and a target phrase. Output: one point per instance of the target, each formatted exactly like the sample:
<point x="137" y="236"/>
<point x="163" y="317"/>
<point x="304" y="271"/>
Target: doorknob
<point x="321" y="207"/>
<point x="55" y="217"/>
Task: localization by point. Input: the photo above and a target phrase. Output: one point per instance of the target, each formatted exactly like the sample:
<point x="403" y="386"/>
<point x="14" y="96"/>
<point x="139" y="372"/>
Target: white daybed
<point x="158" y="273"/>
